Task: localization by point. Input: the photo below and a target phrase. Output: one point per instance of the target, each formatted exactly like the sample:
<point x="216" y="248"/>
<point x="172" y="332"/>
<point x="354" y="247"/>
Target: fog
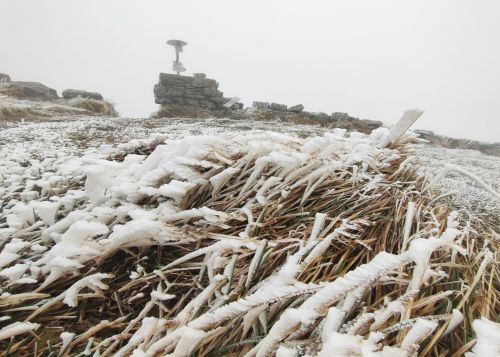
<point x="372" y="59"/>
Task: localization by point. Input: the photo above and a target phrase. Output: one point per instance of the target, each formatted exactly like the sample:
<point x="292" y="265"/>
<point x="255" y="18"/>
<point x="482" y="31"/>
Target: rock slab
<point x="279" y="107"/>
<point x="296" y="108"/>
<point x="28" y="90"/>
<point x="78" y="93"/>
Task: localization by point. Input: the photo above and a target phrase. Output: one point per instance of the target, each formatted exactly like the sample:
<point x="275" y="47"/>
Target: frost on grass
<point x="253" y="245"/>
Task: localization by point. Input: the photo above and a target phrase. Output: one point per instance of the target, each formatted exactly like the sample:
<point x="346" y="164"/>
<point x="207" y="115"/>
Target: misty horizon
<point x="331" y="57"/>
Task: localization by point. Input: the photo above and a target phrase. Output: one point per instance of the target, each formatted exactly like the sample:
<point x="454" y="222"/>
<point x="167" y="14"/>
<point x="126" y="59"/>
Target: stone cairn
<point x="197" y="91"/>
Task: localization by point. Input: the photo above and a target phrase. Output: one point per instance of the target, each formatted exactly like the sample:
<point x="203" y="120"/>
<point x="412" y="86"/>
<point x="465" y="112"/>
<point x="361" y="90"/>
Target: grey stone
<point x="4" y="78"/>
<point x="279" y="107"/>
<point x="160" y="91"/>
<point x="193" y="102"/>
<point x="445" y="141"/>
<point x="76" y="93"/>
<point x="261" y="105"/>
<point x="209" y="91"/>
<point x="207" y="104"/>
<point x="345" y="121"/>
<point x="28" y="90"/>
<point x="196" y="96"/>
<point x="163" y="101"/>
<point x="177" y="100"/>
<point x="204" y="82"/>
<point x="340" y="116"/>
<point x="199" y="75"/>
<point x="229" y="103"/>
<point x="174" y="92"/>
<point x="296" y="108"/>
<point x="169" y="79"/>
<point x="373" y="124"/>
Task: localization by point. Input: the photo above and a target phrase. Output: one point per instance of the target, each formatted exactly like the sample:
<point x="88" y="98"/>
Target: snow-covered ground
<point x="55" y="227"/>
<point x="41" y="147"/>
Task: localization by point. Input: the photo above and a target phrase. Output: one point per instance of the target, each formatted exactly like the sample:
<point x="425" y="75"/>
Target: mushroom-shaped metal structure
<point x="178" y="45"/>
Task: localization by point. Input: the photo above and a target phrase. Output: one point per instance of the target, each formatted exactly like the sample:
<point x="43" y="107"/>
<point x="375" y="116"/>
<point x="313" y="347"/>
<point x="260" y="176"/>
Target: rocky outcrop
<point x="77" y="93"/>
<point x="296" y="108"/>
<point x="28" y="90"/>
<point x="490" y="149"/>
<point x="33" y="100"/>
<point x="197" y="91"/>
<point x="345" y="121"/>
<point x="199" y="97"/>
<point x="273" y="111"/>
<point x="279" y="107"/>
<point x="4" y="78"/>
<point x="453" y="143"/>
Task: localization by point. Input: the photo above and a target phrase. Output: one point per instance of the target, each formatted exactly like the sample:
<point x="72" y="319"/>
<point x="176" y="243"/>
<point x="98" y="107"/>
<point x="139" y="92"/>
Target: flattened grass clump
<point x="277" y="243"/>
<point x="96" y="107"/>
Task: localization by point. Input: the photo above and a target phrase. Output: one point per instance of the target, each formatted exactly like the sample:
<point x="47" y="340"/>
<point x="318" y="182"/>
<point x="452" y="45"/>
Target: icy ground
<point x="45" y="145"/>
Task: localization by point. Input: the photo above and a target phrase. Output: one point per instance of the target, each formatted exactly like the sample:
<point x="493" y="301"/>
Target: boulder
<point x="372" y="124"/>
<point x="4" y="78"/>
<point x="207" y="104"/>
<point x="261" y="105"/>
<point x="199" y="75"/>
<point x="232" y="103"/>
<point x="28" y="90"/>
<point x="78" y="93"/>
<point x="279" y="107"/>
<point x="296" y="108"/>
<point x="340" y="116"/>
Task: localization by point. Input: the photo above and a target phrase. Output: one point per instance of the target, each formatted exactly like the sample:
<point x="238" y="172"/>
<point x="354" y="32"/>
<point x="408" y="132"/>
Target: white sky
<point x="372" y="59"/>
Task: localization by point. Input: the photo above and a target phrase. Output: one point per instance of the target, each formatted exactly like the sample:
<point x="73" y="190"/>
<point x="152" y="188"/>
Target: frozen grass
<point x="70" y="136"/>
<point x="241" y="242"/>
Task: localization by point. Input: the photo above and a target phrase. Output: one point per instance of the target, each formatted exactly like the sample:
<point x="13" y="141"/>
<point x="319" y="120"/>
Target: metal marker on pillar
<point x="178" y="44"/>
